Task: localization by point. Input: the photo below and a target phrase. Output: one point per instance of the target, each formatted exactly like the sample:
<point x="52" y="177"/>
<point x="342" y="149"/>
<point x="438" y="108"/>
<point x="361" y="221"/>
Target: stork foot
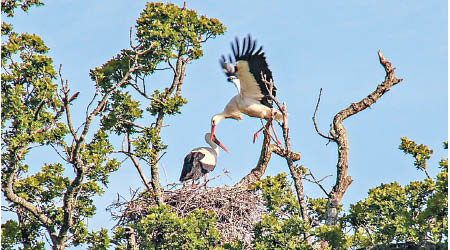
<point x="255" y="136"/>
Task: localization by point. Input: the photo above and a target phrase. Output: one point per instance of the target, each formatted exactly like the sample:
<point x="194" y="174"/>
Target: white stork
<point x="253" y="96"/>
<point x="200" y="161"/>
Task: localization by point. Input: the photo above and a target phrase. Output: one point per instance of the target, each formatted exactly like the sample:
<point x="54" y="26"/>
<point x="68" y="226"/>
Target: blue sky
<point x="309" y="45"/>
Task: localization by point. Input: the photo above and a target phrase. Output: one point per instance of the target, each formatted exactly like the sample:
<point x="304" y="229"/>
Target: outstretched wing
<point x="250" y="68"/>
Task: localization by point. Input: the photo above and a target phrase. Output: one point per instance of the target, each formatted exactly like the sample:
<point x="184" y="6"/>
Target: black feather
<point x="257" y="65"/>
<point x="193" y="168"/>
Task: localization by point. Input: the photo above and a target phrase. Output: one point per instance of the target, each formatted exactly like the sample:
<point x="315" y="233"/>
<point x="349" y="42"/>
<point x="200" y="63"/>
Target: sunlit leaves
<point x="96" y="155"/>
<point x="175" y="31"/>
<point x="9" y="6"/>
<point x="420" y="152"/>
<point x="283" y="226"/>
<point x="14" y="233"/>
<point x="112" y="71"/>
<point x="122" y="111"/>
<point x="148" y="144"/>
<point x="161" y="103"/>
<point x="416" y="212"/>
<point x="277" y="195"/>
<point x="162" y="229"/>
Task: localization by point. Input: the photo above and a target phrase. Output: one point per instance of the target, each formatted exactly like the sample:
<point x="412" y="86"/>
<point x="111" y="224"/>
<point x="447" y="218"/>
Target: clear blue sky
<point x="309" y="45"/>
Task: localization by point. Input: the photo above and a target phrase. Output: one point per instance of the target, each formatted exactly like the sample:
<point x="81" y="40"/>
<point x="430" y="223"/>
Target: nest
<point x="237" y="210"/>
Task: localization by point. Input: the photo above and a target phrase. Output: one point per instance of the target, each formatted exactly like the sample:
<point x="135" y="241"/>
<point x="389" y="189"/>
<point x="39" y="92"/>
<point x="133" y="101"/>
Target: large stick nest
<point x="237" y="210"/>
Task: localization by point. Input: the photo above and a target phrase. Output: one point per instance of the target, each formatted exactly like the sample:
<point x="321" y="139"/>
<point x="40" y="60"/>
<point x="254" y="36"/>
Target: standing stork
<point x="200" y="161"/>
<point x="253" y="98"/>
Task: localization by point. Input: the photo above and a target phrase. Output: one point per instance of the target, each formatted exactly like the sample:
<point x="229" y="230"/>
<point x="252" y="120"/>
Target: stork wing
<point x="191" y="165"/>
<point x="249" y="67"/>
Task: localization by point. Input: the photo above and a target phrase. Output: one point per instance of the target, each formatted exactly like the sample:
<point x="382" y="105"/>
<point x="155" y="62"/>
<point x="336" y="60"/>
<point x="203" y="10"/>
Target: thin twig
<point x="314" y="119"/>
<point x="318" y="182"/>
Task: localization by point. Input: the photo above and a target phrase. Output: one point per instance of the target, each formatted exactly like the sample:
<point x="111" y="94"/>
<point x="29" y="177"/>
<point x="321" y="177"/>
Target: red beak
<point x="216" y="141"/>
<point x="213" y="127"/>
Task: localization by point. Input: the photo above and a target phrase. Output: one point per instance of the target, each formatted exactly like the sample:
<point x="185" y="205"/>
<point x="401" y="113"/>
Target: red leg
<point x="276" y="137"/>
<point x="205" y="176"/>
<point x="255" y="136"/>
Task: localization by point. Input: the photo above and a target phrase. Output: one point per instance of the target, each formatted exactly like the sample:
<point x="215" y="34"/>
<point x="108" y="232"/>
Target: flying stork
<point x="253" y="96"/>
<point x="200" y="161"/>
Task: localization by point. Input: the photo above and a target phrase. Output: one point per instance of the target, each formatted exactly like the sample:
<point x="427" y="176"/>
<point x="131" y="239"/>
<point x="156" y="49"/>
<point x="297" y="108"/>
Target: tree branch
<point x="136" y="165"/>
<point x="314" y="119"/>
<point x="339" y="134"/>
<point x="295" y="173"/>
<point x="257" y="172"/>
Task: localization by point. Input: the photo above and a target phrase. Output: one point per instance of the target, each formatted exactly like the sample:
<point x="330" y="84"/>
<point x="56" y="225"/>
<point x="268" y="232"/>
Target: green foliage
<point x="421" y="153"/>
<point x="112" y="71"/>
<point x="148" y="144"/>
<point x="280" y="233"/>
<point x="334" y="235"/>
<point x="29" y="100"/>
<point x="414" y="213"/>
<point x="25" y="234"/>
<point x="45" y="186"/>
<point x="170" y="106"/>
<point x="162" y="229"/>
<point x="277" y="195"/>
<point x="317" y="209"/>
<point x="123" y="110"/>
<point x="8" y="6"/>
<point x="32" y="111"/>
<point x="282" y="227"/>
<point x="99" y="240"/>
<point x="174" y="31"/>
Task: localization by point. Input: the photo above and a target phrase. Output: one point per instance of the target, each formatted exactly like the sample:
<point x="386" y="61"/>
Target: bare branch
<point x="295" y="173"/>
<point x="339" y="133"/>
<point x="66" y="102"/>
<point x="257" y="172"/>
<point x="314" y="119"/>
<point x="136" y="164"/>
<point x="315" y="181"/>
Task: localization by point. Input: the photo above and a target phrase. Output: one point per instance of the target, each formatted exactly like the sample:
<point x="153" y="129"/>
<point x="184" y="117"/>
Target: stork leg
<point x="274" y="133"/>
<point x="255" y="136"/>
<point x="193" y="184"/>
<point x="205" y="176"/>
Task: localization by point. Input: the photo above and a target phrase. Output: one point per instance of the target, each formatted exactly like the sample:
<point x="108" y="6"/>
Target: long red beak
<point x="216" y="141"/>
<point x="213" y="127"/>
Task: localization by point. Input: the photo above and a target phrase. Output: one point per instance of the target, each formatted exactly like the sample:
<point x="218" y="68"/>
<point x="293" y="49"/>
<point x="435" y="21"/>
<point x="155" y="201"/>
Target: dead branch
<point x="339" y="134"/>
<point x="257" y="172"/>
<point x="314" y="119"/>
<point x="295" y="172"/>
<point x="317" y="182"/>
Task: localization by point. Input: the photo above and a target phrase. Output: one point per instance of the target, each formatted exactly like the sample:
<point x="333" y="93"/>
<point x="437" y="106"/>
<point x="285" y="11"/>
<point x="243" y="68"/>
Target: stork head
<point x="214" y="121"/>
<point x="232" y="78"/>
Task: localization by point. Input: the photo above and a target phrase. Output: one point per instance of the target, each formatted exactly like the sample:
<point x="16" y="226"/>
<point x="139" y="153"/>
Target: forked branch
<point x="339" y="135"/>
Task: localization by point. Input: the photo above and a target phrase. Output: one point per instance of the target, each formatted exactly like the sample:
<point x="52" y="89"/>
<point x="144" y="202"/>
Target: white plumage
<point x="253" y="98"/>
<point x="200" y="161"/>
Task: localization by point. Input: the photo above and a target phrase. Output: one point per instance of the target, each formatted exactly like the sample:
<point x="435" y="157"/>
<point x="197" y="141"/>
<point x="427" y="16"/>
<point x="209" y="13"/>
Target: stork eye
<point x="231" y="78"/>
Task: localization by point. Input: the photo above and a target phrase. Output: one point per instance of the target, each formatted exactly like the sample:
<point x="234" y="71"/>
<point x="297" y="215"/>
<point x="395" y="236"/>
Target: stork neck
<point x="237" y="83"/>
<point x="213" y="146"/>
<point x="219" y="117"/>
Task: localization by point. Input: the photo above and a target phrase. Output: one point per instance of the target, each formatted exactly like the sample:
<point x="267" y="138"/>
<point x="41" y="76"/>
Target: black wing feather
<point x="192" y="168"/>
<point x="257" y="64"/>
